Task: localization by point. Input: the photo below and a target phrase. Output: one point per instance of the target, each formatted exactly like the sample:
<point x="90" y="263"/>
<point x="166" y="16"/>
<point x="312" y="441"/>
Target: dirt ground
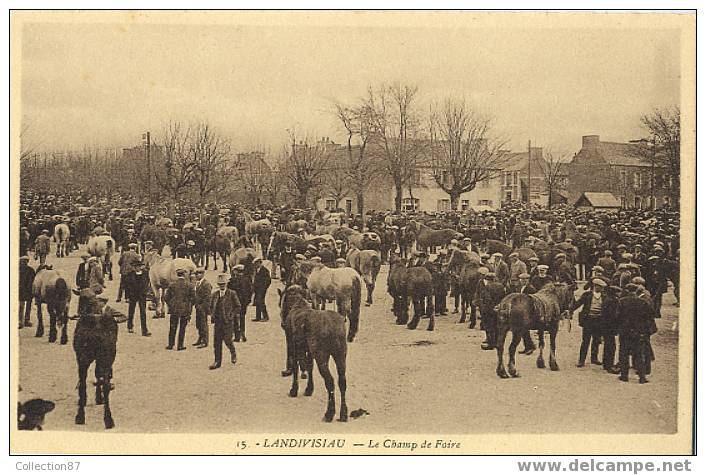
<point x="410" y="381"/>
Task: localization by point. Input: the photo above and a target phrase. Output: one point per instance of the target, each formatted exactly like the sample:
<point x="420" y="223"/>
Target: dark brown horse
<point x="49" y="287"/>
<point x="520" y="313"/>
<point x="314" y="335"/>
<point x="428" y="238"/>
<point x="95" y="340"/>
<point x="156" y="234"/>
<point x="217" y="245"/>
<point x="464" y="266"/>
<point x="416" y="283"/>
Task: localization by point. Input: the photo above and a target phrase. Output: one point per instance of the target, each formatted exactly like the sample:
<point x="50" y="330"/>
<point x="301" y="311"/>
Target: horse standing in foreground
<point x="315" y="335"/>
<point x="464" y="266"/>
<point x="416" y="283"/>
<point x="50" y="288"/>
<point x="95" y="340"/>
<point x="163" y="273"/>
<point x="367" y="263"/>
<point x="103" y="247"/>
<point x="541" y="311"/>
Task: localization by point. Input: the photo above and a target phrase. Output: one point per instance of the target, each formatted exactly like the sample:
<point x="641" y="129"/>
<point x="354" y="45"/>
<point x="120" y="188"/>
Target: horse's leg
<point x="99" y="373"/>
<point x="500" y="348"/>
<point x="40" y="320"/>
<point x="472" y="310"/>
<point x="462" y="297"/>
<point x="516" y="337"/>
<point x="430" y="311"/>
<point x="294" y="390"/>
<point x="52" y="323"/>
<point x="369" y="300"/>
<point x="64" y="326"/>
<point x="404" y="310"/>
<point x="552" y="347"/>
<point x="309" y="361"/>
<point x="416" y="304"/>
<point x="82" y="375"/>
<point x="322" y="363"/>
<point x="107" y="415"/>
<point x="340" y="360"/>
<point x="540" y="357"/>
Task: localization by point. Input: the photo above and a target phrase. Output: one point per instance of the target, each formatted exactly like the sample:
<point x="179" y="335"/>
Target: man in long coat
<point x="180" y="297"/>
<point x="202" y="306"/>
<point x="224" y="310"/>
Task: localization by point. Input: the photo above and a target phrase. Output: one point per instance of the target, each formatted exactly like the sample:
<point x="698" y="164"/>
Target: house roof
<point x="600" y="200"/>
<point x="622" y="154"/>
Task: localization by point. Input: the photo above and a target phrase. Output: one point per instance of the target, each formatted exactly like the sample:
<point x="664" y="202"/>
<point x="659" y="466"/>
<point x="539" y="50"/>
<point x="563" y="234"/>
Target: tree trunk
<point x="549" y="205"/>
<point x="455" y="198"/>
<point x="360" y="198"/>
<point x="303" y="199"/>
<point x="398" y="197"/>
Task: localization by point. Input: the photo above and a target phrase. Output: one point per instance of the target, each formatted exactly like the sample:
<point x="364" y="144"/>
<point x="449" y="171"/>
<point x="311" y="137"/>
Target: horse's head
<point x="292" y="296"/>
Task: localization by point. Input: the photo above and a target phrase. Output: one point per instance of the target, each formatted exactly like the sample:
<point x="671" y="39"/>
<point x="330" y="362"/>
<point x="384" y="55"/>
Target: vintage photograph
<point x="355" y="231"/>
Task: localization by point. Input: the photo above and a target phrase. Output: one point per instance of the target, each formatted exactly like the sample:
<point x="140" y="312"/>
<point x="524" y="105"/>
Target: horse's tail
<point x="62" y="295"/>
<point x="354" y="316"/>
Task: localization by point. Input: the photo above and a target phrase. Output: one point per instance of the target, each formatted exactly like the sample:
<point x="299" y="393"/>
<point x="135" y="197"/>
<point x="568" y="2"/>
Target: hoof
<point x="553" y="366"/>
<point x="80" y="420"/>
<point x="502" y="373"/>
<point x="367" y="304"/>
<point x="343" y="418"/>
<point x="109" y="424"/>
<point x="430" y="329"/>
<point x="328" y="417"/>
<point x="293" y="393"/>
<point x="514" y="374"/>
<point x="540" y="364"/>
<point x="308" y="392"/>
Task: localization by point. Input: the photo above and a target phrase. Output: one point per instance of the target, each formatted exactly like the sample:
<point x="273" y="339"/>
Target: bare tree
<point x="254" y="175"/>
<point x="396" y="132"/>
<point x="361" y="167"/>
<point x="463" y="153"/>
<point x="208" y="155"/>
<point x="27" y="145"/>
<point x="336" y="180"/>
<point x="275" y="183"/>
<point x="176" y="169"/>
<point x="663" y="149"/>
<point x="553" y="168"/>
<point x="304" y="167"/>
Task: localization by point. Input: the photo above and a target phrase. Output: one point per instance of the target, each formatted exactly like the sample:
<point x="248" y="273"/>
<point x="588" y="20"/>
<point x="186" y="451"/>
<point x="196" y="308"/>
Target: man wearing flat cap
<point x="517" y="267"/>
<point x="261" y="282"/>
<point x="42" y="246"/>
<point x="180" y="297"/>
<point x="127" y="263"/>
<point x="607" y="263"/>
<point x="27" y="274"/>
<point x="202" y="305"/>
<point x="225" y="311"/>
<point x="490" y="295"/>
<point x="637" y="324"/>
<point x="137" y="286"/>
<point x="542" y="278"/>
<point x="591" y="304"/>
<point x="501" y="270"/>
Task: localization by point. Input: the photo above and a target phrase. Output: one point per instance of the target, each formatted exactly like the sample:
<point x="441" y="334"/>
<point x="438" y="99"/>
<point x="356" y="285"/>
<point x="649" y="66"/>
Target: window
<point x="445" y="178"/>
<point x="636" y="180"/>
<point x="410" y="204"/>
<point x="464" y="205"/>
<point x="330" y="205"/>
<point x="515" y="178"/>
<point x="443" y="205"/>
<point x="416" y="177"/>
<point x="349" y="206"/>
<point x="485" y="202"/>
<point x="508" y="196"/>
<point x="623" y="178"/>
<point x="638" y="202"/>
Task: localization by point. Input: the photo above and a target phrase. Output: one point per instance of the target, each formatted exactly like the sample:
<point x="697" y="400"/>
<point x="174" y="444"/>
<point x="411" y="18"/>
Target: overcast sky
<point x="105" y="84"/>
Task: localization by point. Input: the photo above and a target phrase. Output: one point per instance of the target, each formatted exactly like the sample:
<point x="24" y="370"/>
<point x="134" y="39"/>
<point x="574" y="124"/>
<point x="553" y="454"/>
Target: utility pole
<point x="652" y="174"/>
<point x="529" y="172"/>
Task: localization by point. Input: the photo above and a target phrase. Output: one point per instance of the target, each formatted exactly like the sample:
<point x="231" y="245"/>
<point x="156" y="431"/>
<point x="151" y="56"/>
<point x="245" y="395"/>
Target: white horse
<point x="61" y="236"/>
<point x="103" y="247"/>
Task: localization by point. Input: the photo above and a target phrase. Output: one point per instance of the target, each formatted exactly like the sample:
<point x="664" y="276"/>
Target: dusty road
<point x="409" y="381"/>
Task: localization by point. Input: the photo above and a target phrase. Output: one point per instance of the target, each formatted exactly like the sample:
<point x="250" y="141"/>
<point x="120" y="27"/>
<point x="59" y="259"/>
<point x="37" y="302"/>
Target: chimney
<point x="590" y="142"/>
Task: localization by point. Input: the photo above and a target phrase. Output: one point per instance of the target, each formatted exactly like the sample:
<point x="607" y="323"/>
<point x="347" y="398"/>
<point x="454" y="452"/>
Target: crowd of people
<point x="622" y="259"/>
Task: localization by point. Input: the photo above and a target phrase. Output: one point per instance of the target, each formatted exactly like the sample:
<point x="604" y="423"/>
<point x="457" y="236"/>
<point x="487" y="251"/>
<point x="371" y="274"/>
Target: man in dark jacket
<point x="180" y="297"/>
<point x="126" y="262"/>
<point x="241" y="284"/>
<point x="261" y="283"/>
<point x="637" y="324"/>
<point x="592" y="310"/>
<point x="490" y="295"/>
<point x="83" y="274"/>
<point x="609" y="327"/>
<point x="137" y="284"/>
<point x="202" y="306"/>
<point x="525" y="287"/>
<point x="286" y="261"/>
<point x="225" y="311"/>
<point x="26" y="279"/>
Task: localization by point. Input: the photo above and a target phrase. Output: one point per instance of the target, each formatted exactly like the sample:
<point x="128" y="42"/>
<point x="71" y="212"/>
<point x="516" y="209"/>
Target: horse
<point x="217" y="245"/>
<point x="245" y="256"/>
<point x="428" y="238"/>
<point x="103" y="247"/>
<point x="520" y="313"/>
<point x="367" y="240"/>
<point x="465" y="265"/>
<point x="162" y="273"/>
<point x="95" y="340"/>
<point x="340" y="284"/>
<point x="493" y="245"/>
<point x="228" y="232"/>
<point x="156" y="234"/>
<point x="315" y="335"/>
<point x="51" y="288"/>
<point x="415" y="282"/>
<point x="367" y="262"/>
<point x="295" y="225"/>
<point x="260" y="229"/>
<point x="61" y="236"/>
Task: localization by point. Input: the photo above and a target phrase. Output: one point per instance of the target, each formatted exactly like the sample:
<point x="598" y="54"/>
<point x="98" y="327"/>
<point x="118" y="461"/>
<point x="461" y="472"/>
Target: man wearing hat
<point x="180" y="297"/>
<point x="30" y="415"/>
<point x="525" y="287"/>
<point x="310" y="251"/>
<point x="136" y="285"/>
<point x="261" y="283"/>
<point x="607" y="263"/>
<point x="202" y="306"/>
<point x="637" y="324"/>
<point x="341" y="262"/>
<point x="286" y="260"/>
<point x="328" y="258"/>
<point x="639" y="257"/>
<point x="532" y="268"/>
<point x="126" y="262"/>
<point x="25" y="293"/>
<point x="241" y="284"/>
<point x="517" y="267"/>
<point x="225" y="311"/>
<point x="42" y="246"/>
<point x="542" y="278"/>
<point x="656" y="278"/>
<point x="564" y="271"/>
<point x="490" y="295"/>
<point x="501" y="270"/>
<point x="592" y="305"/>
